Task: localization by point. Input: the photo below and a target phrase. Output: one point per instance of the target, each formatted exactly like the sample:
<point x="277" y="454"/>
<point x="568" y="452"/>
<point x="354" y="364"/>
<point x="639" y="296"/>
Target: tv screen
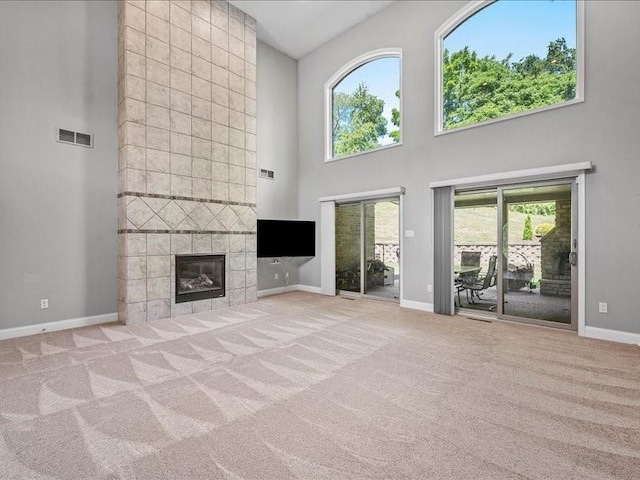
<point x="286" y="238"/>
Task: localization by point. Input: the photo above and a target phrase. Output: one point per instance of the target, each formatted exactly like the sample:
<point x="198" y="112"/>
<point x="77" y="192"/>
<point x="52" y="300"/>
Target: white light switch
<point x="409" y="233"/>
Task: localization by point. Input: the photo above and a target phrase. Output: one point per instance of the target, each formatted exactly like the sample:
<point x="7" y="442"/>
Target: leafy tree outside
<point x="527" y="232"/>
<point x="476" y="88"/>
<point x="358" y="121"/>
<point x="541" y="208"/>
<point x="395" y="119"/>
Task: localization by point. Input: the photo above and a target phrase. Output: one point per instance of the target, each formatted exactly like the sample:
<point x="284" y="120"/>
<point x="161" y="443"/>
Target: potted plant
<point x="520" y="276"/>
<point x="376" y="272"/>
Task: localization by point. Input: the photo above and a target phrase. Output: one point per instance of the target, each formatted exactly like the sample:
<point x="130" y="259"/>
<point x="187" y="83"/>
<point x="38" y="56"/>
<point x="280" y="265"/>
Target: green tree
<point x="560" y="58"/>
<point x="542" y="208"/>
<point x="357" y="121"/>
<point x="477" y="89"/>
<point x="527" y="232"/>
<point x="395" y="119"/>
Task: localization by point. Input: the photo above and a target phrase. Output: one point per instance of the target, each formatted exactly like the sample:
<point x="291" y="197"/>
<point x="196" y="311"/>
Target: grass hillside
<point x="472" y="225"/>
<point x="387" y="222"/>
<point x="478" y="225"/>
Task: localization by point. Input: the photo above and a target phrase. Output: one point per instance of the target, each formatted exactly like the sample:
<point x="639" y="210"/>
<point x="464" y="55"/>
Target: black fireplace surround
<point x="199" y="277"/>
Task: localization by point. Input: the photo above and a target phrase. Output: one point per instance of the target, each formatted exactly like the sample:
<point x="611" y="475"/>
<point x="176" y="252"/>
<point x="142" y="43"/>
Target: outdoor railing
<point x="388" y="252"/>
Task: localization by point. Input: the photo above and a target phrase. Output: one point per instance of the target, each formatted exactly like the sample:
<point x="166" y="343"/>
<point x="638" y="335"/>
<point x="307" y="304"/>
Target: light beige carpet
<point x="301" y="386"/>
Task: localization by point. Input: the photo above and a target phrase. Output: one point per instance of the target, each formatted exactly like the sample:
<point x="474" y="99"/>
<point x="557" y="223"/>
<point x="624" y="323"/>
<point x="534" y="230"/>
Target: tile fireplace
<point x="186" y="159"/>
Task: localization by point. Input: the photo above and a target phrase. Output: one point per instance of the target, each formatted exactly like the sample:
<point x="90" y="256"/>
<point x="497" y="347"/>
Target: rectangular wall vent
<point x="267" y="174"/>
<point x="66" y="136"/>
<point x="84" y="139"/>
<point x="75" y="138"/>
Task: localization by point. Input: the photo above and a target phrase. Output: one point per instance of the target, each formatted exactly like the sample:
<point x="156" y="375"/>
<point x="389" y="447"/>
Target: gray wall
<point x="277" y="150"/>
<point x="603" y="129"/>
<point x="58" y="67"/>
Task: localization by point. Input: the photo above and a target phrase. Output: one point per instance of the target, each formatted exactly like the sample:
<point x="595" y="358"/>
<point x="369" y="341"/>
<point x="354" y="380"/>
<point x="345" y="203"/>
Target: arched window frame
<point x="336" y="78"/>
<point x="458" y="19"/>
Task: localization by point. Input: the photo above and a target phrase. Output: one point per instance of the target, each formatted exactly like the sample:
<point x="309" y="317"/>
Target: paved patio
<point x="386" y="291"/>
<point x="523" y="303"/>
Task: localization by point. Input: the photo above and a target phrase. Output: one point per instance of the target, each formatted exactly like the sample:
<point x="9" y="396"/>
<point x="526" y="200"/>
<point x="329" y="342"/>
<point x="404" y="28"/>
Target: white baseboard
<point x="611" y="335"/>
<point x="425" y="307"/>
<point x="7" y="333"/>
<point x="272" y="291"/>
<point x="309" y="288"/>
<point x="291" y="288"/>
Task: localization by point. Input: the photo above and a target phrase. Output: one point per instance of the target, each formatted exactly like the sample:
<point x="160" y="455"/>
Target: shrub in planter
<point x="544" y="228"/>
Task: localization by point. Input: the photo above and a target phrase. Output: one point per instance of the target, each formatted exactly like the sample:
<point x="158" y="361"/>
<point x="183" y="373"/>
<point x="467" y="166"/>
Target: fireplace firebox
<point x="199" y="277"/>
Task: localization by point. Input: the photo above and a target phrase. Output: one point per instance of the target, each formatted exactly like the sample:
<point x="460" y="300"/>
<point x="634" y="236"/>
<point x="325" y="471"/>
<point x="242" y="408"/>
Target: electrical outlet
<point x="429" y="288"/>
<point x="286" y="275"/>
<point x="275" y="275"/>
<point x="603" y="307"/>
<point x="44" y="304"/>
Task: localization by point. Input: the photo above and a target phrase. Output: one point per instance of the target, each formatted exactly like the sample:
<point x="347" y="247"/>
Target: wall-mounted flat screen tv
<point x="286" y="238"/>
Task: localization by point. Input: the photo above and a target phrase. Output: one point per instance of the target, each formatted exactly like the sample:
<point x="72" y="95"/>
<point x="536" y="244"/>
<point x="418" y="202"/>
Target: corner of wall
<point x="277" y="121"/>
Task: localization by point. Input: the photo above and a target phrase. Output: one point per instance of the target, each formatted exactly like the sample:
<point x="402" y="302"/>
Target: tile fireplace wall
<point x="187" y="143"/>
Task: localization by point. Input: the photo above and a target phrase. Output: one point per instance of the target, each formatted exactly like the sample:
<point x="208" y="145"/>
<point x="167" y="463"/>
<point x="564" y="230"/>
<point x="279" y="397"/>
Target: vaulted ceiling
<point x="300" y="26"/>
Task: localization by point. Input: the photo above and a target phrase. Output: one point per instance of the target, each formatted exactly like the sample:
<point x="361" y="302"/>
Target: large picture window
<point x="500" y="59"/>
<point x="363" y="105"/>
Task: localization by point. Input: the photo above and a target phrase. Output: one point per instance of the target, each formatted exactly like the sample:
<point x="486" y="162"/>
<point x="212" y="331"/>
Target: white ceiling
<point x="297" y="27"/>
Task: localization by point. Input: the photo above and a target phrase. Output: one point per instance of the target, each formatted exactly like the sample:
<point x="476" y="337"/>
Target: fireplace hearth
<point x="199" y="277"/>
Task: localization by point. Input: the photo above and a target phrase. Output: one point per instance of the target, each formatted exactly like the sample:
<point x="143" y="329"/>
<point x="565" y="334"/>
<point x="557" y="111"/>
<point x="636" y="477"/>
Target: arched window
<point x="363" y="105"/>
<point x="498" y="59"/>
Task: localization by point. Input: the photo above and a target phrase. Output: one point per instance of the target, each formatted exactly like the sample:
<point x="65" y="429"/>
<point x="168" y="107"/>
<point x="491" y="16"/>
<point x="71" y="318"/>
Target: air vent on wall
<point x="267" y="174"/>
<point x="66" y="136"/>
<point x="75" y="138"/>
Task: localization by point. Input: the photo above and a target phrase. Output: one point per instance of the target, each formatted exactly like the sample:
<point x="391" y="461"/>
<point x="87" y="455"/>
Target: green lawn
<point x="387" y="222"/>
<point x="478" y="225"/>
<point x="472" y="225"/>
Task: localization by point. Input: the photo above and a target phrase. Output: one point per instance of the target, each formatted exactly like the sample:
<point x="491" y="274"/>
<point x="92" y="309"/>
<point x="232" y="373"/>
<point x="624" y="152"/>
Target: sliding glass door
<point x="368" y="248"/>
<point x="514" y="252"/>
<point x="348" y="247"/>
<point x="537" y="270"/>
<point x="475" y="249"/>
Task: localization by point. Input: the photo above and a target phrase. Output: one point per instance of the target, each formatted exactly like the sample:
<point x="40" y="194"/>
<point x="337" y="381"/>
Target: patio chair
<point x="463" y="280"/>
<point x="488" y="281"/>
<point x="470" y="259"/>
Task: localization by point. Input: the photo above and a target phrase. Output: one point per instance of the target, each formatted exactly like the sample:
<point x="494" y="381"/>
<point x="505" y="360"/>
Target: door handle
<point x="573" y="259"/>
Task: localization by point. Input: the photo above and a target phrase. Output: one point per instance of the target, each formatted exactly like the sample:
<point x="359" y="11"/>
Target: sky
<point x="521" y="27"/>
